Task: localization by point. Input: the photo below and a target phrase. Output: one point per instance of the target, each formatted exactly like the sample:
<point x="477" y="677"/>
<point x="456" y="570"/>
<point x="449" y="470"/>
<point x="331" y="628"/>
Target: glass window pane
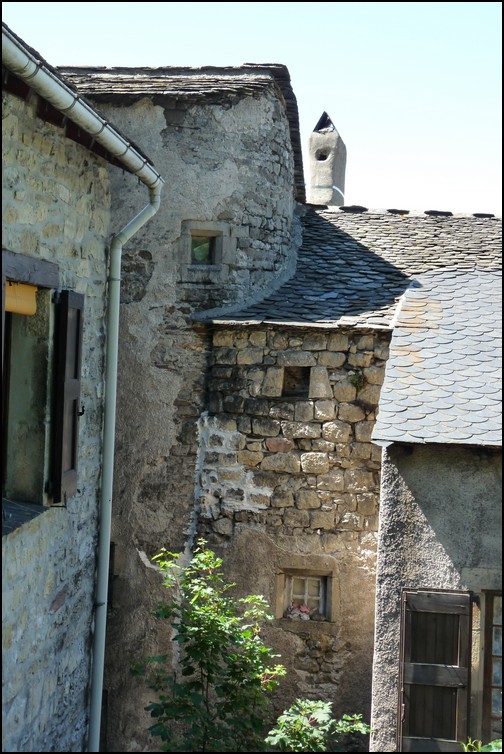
<point x="313" y="587"/>
<point x="497" y="672"/>
<point x="497" y="702"/>
<point x="498" y="611"/>
<point x="497" y="641"/>
<point x="201" y="250"/>
<point x="298" y="587"/>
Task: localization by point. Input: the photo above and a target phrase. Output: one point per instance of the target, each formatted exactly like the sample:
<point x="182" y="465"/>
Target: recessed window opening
<point x="296" y="382"/>
<point x="321" y="155"/>
<point x="203" y="249"/>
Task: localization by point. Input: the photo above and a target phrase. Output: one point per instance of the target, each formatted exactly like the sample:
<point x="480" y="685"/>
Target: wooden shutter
<point x="434" y="670"/>
<point x="70" y="308"/>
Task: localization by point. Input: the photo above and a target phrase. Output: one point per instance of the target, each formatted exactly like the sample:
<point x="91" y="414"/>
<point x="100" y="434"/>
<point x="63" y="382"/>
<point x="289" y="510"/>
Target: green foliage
<point x="473" y="744"/>
<point x="308" y="726"/>
<point x="215" y="704"/>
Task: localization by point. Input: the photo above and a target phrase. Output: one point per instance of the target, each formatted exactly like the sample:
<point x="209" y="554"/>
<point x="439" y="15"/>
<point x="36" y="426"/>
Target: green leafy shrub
<point x="473" y="744"/>
<point x="308" y="726"/>
<point x="226" y="671"/>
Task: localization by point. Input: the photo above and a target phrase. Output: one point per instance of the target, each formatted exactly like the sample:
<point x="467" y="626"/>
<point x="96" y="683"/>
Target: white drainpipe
<point x="19" y="60"/>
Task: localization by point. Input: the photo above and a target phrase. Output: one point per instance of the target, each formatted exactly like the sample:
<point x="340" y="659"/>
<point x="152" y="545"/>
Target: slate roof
<point x="443" y="379"/>
<point x="209" y="84"/>
<point x="354" y="265"/>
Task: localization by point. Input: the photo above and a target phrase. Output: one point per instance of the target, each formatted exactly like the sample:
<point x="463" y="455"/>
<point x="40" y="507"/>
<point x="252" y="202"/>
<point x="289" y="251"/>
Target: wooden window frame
<point x="488" y="684"/>
<point x="68" y="353"/>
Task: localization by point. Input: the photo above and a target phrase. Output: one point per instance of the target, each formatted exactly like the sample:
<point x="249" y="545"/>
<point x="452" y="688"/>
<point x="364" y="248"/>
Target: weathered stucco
<point x="440" y="528"/>
<point x="56" y="207"/>
<point x="227" y="167"/>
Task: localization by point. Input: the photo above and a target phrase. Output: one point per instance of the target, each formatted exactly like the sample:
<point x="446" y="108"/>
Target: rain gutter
<point x="45" y="82"/>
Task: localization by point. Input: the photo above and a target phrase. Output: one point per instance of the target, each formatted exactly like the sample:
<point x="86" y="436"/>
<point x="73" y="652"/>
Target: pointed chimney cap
<point x="324" y="123"/>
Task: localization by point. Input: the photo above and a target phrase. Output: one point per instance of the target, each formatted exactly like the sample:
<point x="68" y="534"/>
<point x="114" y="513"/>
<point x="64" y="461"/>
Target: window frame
<point x="488" y="656"/>
<point x="17" y="267"/>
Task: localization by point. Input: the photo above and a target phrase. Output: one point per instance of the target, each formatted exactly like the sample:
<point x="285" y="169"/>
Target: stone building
<point x="56" y="307"/>
<point x="255" y="336"/>
<point x="255" y="331"/>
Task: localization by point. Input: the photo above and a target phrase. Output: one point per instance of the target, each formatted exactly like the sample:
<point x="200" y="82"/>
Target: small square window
<point x="307" y="593"/>
<point x="296" y="382"/>
<point x="203" y="249"/>
<point x="306" y="597"/>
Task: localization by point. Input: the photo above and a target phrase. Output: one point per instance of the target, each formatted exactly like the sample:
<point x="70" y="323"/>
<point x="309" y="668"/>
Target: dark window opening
<point x="321" y="155"/>
<point x="296" y="382"/>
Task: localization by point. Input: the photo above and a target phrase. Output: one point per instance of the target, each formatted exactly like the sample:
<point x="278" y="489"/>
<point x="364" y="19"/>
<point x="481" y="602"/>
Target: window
<point x="492" y="686"/>
<point x="296" y="382"/>
<point x="206" y="251"/>
<point x="41" y="361"/>
<point x="307" y="589"/>
<point x="306" y="597"/>
<point x="203" y="249"/>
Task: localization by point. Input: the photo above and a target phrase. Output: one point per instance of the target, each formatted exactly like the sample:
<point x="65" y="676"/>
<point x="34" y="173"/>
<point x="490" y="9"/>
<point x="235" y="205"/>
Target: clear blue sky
<point x="414" y="89"/>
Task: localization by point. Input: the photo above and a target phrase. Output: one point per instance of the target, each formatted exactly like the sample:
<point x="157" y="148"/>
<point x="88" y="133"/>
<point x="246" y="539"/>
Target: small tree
<point x="225" y="668"/>
<point x="308" y="726"/>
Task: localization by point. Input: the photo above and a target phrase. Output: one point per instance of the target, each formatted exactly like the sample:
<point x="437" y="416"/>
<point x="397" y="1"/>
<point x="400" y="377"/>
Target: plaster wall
<point x="56" y="207"/>
<point x="228" y="165"/>
<point x="440" y="528"/>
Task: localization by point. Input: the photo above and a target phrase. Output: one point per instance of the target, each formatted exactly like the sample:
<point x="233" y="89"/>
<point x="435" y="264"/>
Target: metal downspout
<point x="45" y="82"/>
<point x="108" y="463"/>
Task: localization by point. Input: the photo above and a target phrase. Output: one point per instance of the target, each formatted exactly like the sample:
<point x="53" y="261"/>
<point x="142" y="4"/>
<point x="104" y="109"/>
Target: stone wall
<point x="288" y="483"/>
<point x="228" y="168"/>
<point x="56" y="207"/>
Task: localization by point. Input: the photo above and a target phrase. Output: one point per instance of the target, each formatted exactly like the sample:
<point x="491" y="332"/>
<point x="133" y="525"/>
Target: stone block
<point x="332" y="360"/>
<point x="358" y="481"/>
<point x="307" y="499"/>
<point x="336" y="431"/>
<point x="374" y="375"/>
<point x="314" y="463"/>
<point x="266" y="427"/>
<point x="296" y="359"/>
<point x="344" y="391"/>
<point x="303" y="411"/>
<point x="273" y="382"/>
<point x="363" y="431"/>
<point x="334" y="481"/>
<point x="370" y="394"/>
<point x="361" y="359"/>
<point x="324" y="410"/>
<point x="279" y="445"/>
<point x="320" y="387"/>
<point x="349" y="412"/>
<point x="286" y="462"/>
<point x="366" y="503"/>
<point x="322" y="519"/>
<point x="295" y="430"/>
<point x="250" y="356"/>
<point x="337" y="342"/>
<point x="249" y="458"/>
<point x="294" y="517"/>
<point x="282" y="499"/>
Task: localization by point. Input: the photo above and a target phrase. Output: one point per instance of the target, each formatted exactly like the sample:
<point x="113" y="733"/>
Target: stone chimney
<point x="327" y="157"/>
